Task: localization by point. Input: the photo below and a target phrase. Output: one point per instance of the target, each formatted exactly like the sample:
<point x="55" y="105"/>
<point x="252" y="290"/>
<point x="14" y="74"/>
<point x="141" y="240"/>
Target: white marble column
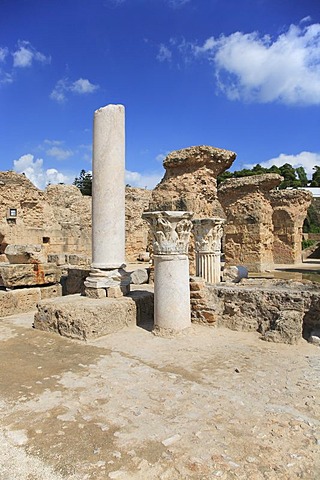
<point x="208" y="234"/>
<point x="108" y="198"/>
<point x="171" y="232"/>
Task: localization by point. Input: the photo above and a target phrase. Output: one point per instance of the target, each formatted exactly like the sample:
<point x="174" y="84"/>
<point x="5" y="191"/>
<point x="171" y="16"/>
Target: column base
<point x="107" y="283"/>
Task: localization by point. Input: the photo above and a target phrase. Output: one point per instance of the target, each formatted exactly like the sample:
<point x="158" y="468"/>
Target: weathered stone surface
<point x="59" y="218"/>
<point x="28" y="275"/>
<point x="25" y="254"/>
<point x="249" y="227"/>
<point x="190" y="181"/>
<point x="289" y="212"/>
<point x="282" y="311"/>
<point x="51" y="291"/>
<point x="82" y="318"/>
<point x="139" y="276"/>
<point x="234" y="273"/>
<point x="19" y="300"/>
<point x="137" y="201"/>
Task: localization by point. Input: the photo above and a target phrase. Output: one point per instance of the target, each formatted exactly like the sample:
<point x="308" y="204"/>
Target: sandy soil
<point x="209" y="404"/>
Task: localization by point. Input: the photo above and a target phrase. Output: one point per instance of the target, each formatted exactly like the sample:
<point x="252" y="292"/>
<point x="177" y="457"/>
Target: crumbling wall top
<point x="254" y="183"/>
<point x="216" y="159"/>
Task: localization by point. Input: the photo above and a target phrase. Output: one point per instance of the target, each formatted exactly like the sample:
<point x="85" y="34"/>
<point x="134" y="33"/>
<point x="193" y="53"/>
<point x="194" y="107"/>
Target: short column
<point x="108" y="203"/>
<point x="171" y="233"/>
<point x="208" y="233"/>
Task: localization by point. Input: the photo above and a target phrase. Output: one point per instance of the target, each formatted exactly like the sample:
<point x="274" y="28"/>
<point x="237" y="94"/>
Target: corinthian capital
<point x="208" y="233"/>
<point x="170" y="230"/>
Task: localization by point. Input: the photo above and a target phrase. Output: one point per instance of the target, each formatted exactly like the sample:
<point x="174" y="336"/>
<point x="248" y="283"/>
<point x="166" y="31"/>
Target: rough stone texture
<point x="59" y="218"/>
<point x="201" y="309"/>
<point x="282" y="311"/>
<point x="82" y="318"/>
<point x="289" y="212"/>
<point x="25" y="299"/>
<point x="28" y="274"/>
<point x="190" y="181"/>
<point x="137" y="201"/>
<point x="234" y="273"/>
<point x="249" y="228"/>
<point x="25" y="254"/>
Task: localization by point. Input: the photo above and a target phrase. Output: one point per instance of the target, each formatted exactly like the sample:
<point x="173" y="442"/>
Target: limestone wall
<point x="248" y="237"/>
<point x="289" y="212"/>
<point x="59" y="218"/>
<point x="282" y="311"/>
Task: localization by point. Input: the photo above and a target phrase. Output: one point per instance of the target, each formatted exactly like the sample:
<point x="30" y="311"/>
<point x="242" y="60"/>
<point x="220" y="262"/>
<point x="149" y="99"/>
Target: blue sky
<point x="237" y="74"/>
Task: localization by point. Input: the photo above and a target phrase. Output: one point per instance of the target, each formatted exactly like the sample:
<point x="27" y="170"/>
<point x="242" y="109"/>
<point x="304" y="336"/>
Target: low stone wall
<point x="282" y="311"/>
<point x="23" y="300"/>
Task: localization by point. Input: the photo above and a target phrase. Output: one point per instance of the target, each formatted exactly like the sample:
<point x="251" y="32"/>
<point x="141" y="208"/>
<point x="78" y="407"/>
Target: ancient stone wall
<point x="248" y="237"/>
<point x="282" y="311"/>
<point x="59" y="218"/>
<point x="289" y="212"/>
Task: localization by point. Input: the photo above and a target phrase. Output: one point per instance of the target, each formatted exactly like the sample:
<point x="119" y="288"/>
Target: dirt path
<point x="210" y="404"/>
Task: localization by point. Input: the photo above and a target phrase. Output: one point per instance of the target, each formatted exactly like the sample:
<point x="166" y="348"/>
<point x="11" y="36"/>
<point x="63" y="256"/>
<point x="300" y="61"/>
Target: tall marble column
<point x="108" y="199"/>
<point x="171" y="233"/>
<point x="208" y="234"/>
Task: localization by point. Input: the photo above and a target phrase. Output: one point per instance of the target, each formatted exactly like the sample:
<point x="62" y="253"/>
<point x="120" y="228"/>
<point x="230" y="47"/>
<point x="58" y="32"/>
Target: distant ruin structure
<point x="289" y="212"/>
<point x="249" y="227"/>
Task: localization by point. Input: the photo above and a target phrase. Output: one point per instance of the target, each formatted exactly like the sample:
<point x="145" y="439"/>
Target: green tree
<point x="289" y="175"/>
<point x="315" y="181"/>
<point x="84" y="182"/>
<point x="302" y="176"/>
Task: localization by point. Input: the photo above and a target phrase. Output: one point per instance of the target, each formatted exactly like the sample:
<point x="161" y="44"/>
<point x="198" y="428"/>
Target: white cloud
<point x="143" y="180"/>
<point x="64" y="86"/>
<point x="26" y="54"/>
<point x="307" y="160"/>
<point x="83" y="86"/>
<point x="258" y="68"/>
<point x="3" y="53"/>
<point x="59" y="153"/>
<point x="33" y="169"/>
<point x="164" y="53"/>
<point x="5" y="77"/>
<point x="177" y="3"/>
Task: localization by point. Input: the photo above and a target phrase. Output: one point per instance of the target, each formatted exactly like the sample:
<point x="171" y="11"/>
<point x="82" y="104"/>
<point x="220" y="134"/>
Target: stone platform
<point x="81" y="318"/>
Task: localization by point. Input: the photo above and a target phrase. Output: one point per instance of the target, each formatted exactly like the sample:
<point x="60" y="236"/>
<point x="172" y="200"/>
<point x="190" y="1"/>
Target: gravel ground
<point x="211" y="403"/>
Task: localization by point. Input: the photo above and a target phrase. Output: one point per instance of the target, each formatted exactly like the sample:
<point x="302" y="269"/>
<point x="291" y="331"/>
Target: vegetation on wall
<point x="292" y="177"/>
<point x="84" y="182"/>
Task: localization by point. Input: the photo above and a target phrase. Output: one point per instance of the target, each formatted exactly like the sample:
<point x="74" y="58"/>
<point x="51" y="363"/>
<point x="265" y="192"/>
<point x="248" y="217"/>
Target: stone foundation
<point x="282" y="311"/>
<point x="82" y="318"/>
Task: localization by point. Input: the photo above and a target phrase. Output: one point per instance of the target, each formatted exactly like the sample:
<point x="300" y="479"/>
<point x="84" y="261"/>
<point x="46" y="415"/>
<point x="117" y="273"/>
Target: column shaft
<point x="108" y="188"/>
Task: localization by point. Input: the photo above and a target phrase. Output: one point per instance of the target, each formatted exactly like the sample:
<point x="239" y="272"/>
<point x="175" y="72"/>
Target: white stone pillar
<point x="108" y="198"/>
<point x="208" y="234"/>
<point x="171" y="232"/>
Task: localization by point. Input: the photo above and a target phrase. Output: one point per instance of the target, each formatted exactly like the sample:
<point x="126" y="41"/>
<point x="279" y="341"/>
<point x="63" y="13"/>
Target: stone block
<point x="95" y="292"/>
<point x="51" y="291"/>
<point x="25" y="254"/>
<point x="139" y="276"/>
<point x="114" y="292"/>
<point x="57" y="258"/>
<point x="234" y="274"/>
<point x="81" y="318"/>
<point x="29" y="275"/>
<point x="19" y="301"/>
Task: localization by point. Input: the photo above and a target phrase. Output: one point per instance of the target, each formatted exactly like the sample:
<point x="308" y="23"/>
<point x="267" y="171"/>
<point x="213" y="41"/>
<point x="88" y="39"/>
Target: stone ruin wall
<point x="264" y="226"/>
<point x="249" y="228"/>
<point x="59" y="219"/>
